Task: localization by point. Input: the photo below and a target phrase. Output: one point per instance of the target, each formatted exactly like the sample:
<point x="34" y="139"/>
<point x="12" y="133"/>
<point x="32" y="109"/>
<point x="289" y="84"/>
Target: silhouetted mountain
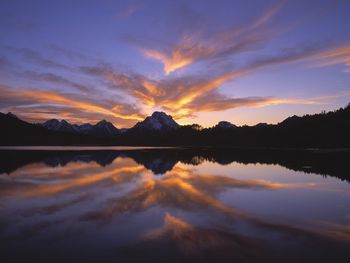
<point x="322" y="130"/>
<point x="102" y="129"/>
<point x="158" y="121"/>
<point x="262" y="125"/>
<point x="14" y="131"/>
<point x="61" y="126"/>
<point x="10" y="114"/>
<point x="225" y="125"/>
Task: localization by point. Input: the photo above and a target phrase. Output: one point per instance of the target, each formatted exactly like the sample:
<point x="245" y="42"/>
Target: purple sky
<point x="200" y="61"/>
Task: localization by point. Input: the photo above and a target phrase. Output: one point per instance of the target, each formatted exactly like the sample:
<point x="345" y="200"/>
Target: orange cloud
<point x="214" y="101"/>
<point x="26" y="100"/>
<point x="183" y="96"/>
<point x="180" y="96"/>
<point x="183" y="54"/>
<point x="335" y="56"/>
<point x="198" y="46"/>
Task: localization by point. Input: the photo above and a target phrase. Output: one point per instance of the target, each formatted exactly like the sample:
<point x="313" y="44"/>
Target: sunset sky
<point x="199" y="61"/>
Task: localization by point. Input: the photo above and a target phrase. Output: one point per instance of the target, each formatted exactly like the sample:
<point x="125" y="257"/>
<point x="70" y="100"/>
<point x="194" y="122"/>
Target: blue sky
<point x="200" y="61"/>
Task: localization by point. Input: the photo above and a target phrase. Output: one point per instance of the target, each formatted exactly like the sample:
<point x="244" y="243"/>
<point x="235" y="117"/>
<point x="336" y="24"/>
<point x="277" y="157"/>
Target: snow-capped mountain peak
<point x="57" y="125"/>
<point x="157" y="121"/>
<point x="100" y="129"/>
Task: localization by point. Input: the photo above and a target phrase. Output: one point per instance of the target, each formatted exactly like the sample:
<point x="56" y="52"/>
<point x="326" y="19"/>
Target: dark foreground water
<point x="174" y="205"/>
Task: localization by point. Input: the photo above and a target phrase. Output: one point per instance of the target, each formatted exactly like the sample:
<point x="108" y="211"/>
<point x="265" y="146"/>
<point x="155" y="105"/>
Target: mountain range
<point x="158" y="121"/>
<point x="101" y="129"/>
<point x="321" y="130"/>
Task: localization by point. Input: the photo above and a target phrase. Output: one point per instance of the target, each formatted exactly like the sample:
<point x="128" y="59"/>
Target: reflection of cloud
<point x="227" y="243"/>
<point x="336" y="231"/>
<point x="189" y="243"/>
<point x="78" y="182"/>
<point x="72" y="176"/>
<point x="86" y="191"/>
<point x="182" y="189"/>
<point x="192" y="240"/>
<point x="56" y="207"/>
<point x="171" y="224"/>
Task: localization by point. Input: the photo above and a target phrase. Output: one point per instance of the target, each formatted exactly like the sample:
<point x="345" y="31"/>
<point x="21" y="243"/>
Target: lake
<point x="174" y="205"/>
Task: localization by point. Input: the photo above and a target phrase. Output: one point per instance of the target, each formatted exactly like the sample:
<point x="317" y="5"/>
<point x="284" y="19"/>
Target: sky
<point x="200" y="61"/>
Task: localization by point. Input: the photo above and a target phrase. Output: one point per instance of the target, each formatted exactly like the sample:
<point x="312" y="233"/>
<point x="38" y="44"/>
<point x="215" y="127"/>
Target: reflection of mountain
<point x="159" y="161"/>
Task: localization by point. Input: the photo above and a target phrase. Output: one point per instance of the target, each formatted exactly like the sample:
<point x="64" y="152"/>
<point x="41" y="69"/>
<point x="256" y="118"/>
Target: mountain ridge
<point x="102" y="128"/>
<point x="159" y="121"/>
<point x="321" y="130"/>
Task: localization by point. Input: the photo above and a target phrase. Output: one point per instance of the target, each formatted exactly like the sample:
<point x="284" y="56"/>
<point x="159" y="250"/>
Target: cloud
<point x="199" y="46"/>
<point x="215" y="101"/>
<point x="5" y="62"/>
<point x="185" y="95"/>
<point x="36" y="58"/>
<point x="54" y="78"/>
<point x="181" y="96"/>
<point x="32" y="102"/>
<point x="333" y="57"/>
<point x="70" y="53"/>
<point x="130" y="10"/>
<point x="183" y="54"/>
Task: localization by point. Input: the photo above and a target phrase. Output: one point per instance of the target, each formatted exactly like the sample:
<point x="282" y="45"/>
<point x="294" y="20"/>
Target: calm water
<point x="172" y="205"/>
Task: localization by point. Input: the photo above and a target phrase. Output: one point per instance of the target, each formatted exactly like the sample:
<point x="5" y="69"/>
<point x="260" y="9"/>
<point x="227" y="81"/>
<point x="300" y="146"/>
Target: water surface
<point x="174" y="205"/>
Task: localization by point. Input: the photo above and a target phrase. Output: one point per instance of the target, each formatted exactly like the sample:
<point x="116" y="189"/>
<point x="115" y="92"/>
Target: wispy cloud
<point x="56" y="79"/>
<point x="335" y="56"/>
<point x="181" y="96"/>
<point x="35" y="57"/>
<point x="183" y="54"/>
<point x="185" y="95"/>
<point x="222" y="50"/>
<point x="31" y="102"/>
<point x="129" y="10"/>
<point x="198" y="46"/>
<point x="5" y="62"/>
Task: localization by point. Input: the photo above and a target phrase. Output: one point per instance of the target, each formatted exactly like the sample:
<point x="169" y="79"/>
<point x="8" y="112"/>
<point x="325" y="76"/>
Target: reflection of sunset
<point x="175" y="131"/>
<point x="191" y="208"/>
<point x="183" y="188"/>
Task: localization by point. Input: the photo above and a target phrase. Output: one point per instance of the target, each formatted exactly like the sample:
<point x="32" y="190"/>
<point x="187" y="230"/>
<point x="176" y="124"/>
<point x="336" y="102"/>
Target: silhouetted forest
<point x="324" y="130"/>
<point x="330" y="129"/>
